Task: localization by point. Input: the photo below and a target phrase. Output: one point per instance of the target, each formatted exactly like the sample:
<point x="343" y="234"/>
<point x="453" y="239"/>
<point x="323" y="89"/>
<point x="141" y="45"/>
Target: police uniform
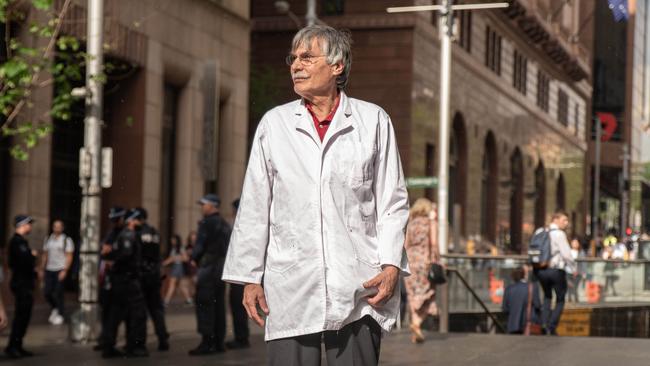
<point x="115" y="215"/>
<point x="23" y="278"/>
<point x="209" y="253"/>
<point x="127" y="301"/>
<point x="151" y="282"/>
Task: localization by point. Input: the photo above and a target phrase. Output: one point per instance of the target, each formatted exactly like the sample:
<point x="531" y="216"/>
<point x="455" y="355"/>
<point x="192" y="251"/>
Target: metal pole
<point x="91" y="186"/>
<point x="596" y="204"/>
<point x="311" y="12"/>
<point x="624" y="189"/>
<point x="443" y="142"/>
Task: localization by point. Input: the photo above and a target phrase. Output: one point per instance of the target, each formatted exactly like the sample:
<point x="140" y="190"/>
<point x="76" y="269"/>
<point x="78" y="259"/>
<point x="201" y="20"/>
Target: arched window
<point x="560" y="197"/>
<point x="540" y="195"/>
<point x="458" y="171"/>
<point x="489" y="189"/>
<point x="516" y="200"/>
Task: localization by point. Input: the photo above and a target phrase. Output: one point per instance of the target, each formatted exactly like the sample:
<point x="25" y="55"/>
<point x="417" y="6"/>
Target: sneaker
<point x="57" y="320"/>
<point x="189" y="302"/>
<point x="53" y="314"/>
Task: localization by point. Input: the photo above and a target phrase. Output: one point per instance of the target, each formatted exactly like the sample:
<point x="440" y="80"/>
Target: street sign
<point x="107" y="167"/>
<point x="421" y="182"/>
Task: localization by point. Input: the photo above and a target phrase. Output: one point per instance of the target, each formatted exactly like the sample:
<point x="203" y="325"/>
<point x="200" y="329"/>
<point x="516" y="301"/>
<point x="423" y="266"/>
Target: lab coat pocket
<point x="282" y="253"/>
<point x="364" y="245"/>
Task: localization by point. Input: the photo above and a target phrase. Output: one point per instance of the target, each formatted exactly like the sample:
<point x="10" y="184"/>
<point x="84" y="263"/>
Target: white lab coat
<point x="318" y="219"/>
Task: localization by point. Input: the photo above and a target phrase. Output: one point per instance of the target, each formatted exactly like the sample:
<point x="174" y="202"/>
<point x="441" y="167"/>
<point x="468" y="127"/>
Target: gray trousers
<point x="356" y="344"/>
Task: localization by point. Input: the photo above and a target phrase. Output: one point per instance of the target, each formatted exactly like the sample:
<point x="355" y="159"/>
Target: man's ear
<point x="337" y="68"/>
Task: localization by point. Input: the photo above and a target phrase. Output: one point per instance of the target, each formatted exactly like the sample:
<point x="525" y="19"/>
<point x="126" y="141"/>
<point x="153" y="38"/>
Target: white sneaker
<point x="57" y="320"/>
<point x="53" y="314"/>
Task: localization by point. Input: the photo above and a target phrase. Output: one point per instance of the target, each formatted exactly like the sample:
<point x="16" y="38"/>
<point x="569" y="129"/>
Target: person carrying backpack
<point x="551" y="258"/>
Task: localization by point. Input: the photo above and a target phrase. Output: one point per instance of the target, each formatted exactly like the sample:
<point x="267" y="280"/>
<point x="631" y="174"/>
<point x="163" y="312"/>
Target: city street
<point x="51" y="348"/>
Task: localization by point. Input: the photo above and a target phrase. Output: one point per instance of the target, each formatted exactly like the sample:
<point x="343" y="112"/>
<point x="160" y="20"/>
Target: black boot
<point x="111" y="352"/>
<point x="12" y="352"/>
<point x="238" y="344"/>
<point x="206" y="347"/>
<point x="163" y="345"/>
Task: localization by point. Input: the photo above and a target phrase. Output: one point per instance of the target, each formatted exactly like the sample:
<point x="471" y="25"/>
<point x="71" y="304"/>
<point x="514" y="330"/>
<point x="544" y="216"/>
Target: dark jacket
<point x="125" y="255"/>
<point x="212" y="240"/>
<point x="150" y="240"/>
<point x="515" y="302"/>
<point x="21" y="262"/>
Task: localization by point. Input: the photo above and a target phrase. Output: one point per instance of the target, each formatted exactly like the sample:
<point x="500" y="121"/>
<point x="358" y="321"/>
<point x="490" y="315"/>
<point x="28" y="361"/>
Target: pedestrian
<point x="575" y="279"/>
<point x="191" y="270"/>
<point x="554" y="277"/>
<point x="22" y="261"/>
<point x="520" y="297"/>
<point x="236" y="298"/>
<point x="116" y="216"/>
<point x="209" y="256"/>
<point x="127" y="300"/>
<point x="150" y="264"/>
<point x="422" y="250"/>
<point x="322" y="216"/>
<point x="177" y="261"/>
<point x="58" y="252"/>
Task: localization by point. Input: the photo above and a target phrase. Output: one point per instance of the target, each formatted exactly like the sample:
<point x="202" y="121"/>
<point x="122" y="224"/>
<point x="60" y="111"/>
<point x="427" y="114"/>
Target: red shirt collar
<point x="330" y="116"/>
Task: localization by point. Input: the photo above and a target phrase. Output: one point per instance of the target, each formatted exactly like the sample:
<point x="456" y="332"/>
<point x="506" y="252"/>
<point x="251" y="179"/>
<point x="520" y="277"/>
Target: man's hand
<point x="62" y="275"/>
<point x="385" y="283"/>
<point x="106" y="248"/>
<point x="253" y="295"/>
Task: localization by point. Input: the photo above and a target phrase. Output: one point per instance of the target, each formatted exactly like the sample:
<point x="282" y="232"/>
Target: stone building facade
<point x="176" y="116"/>
<point x="520" y="97"/>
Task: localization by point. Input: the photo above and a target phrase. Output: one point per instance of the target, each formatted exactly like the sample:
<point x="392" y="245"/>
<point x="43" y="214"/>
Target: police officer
<point x="116" y="216"/>
<point x="209" y="255"/>
<point x="235" y="298"/>
<point x="22" y="260"/>
<point x="150" y="279"/>
<point x="127" y="301"/>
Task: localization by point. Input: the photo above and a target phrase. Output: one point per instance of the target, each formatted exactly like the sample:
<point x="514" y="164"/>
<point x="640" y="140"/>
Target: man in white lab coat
<point x="318" y="240"/>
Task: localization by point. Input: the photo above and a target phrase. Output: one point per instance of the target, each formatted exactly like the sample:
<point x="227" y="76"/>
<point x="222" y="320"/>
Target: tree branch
<point x="46" y="55"/>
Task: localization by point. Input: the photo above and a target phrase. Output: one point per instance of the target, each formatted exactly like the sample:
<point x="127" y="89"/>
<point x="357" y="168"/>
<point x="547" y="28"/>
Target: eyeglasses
<point x="305" y="59"/>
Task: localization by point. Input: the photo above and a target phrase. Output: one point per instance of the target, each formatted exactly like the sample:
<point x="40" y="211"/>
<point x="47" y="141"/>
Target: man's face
<point x="25" y="229"/>
<point x="562" y="222"/>
<point x="311" y="74"/>
<point x="207" y="209"/>
<point x="57" y="227"/>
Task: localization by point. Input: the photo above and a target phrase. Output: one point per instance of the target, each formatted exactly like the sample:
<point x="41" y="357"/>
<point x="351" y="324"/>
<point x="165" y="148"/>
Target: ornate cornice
<point x="541" y="37"/>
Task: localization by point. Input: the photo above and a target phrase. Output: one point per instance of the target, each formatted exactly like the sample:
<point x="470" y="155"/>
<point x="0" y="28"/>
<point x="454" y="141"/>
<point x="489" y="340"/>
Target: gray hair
<point x="335" y="44"/>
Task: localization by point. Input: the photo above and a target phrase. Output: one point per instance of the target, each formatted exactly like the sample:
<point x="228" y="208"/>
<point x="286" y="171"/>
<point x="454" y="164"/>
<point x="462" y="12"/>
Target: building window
<point x="543" y="82"/>
<point x="333" y="7"/>
<point x="576" y="118"/>
<point x="540" y="196"/>
<point x="520" y="73"/>
<point x="465" y="30"/>
<point x="516" y="201"/>
<point x="493" y="50"/>
<point x="489" y="189"/>
<point x="168" y="161"/>
<point x="562" y="107"/>
<point x="429" y="168"/>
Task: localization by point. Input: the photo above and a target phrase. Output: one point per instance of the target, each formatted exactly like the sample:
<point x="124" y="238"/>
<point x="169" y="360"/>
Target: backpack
<point x="539" y="248"/>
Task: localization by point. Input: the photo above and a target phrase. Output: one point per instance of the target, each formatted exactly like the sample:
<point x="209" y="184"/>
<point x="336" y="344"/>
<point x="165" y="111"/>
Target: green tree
<point x="25" y="68"/>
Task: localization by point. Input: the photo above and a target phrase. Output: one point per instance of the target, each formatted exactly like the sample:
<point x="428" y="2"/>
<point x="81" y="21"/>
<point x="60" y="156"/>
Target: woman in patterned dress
<point x="422" y="250"/>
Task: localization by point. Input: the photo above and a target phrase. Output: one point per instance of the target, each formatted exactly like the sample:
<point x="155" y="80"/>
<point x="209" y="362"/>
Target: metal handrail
<point x="477" y="298"/>
<point x="525" y="258"/>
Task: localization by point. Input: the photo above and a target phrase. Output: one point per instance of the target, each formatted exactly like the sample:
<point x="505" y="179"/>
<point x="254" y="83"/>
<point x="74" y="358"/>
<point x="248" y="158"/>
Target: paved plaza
<point x="52" y="349"/>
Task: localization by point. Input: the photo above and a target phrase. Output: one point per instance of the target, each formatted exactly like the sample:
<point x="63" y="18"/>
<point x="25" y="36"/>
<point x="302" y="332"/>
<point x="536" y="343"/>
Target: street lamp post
<point x="90" y="174"/>
<point x="446" y="10"/>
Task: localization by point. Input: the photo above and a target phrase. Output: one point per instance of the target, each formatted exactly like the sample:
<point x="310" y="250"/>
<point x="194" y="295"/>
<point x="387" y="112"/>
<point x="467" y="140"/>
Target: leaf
<point x="129" y="121"/>
<point x="19" y="153"/>
<point x="42" y="4"/>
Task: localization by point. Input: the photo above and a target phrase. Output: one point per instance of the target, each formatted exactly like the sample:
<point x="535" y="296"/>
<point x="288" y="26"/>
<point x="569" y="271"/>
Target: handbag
<point x="437" y="274"/>
<point x="531" y="328"/>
